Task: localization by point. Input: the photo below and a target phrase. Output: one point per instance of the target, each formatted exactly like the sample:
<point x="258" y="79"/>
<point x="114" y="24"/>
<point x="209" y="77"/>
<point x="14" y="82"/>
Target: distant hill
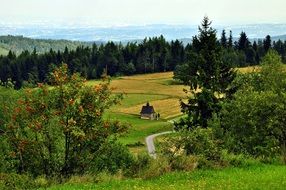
<point x="19" y="43"/>
<point x="281" y="37"/>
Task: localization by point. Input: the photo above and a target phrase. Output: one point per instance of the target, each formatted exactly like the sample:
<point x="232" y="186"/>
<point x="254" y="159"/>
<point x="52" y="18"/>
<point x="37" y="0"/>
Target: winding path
<point x="150" y="143"/>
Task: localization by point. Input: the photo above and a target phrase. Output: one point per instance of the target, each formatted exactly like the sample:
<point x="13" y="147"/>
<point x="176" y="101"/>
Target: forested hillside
<point x="151" y="55"/>
<point x="19" y="44"/>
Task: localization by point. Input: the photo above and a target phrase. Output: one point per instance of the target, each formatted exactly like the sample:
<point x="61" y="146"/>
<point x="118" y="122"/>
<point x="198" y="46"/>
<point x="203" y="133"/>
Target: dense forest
<point x="151" y="55"/>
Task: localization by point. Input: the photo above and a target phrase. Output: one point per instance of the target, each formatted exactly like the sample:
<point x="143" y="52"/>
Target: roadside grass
<point x="140" y="128"/>
<point x="260" y="176"/>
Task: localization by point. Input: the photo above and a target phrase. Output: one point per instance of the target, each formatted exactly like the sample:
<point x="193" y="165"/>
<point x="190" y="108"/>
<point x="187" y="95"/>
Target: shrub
<point x="112" y="157"/>
<point x="191" y="148"/>
<point x="202" y="142"/>
<point x="184" y="163"/>
<point x="157" y="167"/>
<point x="14" y="181"/>
<point x="140" y="163"/>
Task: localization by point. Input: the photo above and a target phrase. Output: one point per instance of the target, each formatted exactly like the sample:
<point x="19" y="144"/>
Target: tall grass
<point x="262" y="177"/>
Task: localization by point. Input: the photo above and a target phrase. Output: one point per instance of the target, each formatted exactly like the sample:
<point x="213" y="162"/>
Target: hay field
<point x="159" y="89"/>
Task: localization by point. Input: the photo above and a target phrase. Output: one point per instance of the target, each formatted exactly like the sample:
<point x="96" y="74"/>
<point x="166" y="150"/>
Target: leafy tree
<point x="254" y="121"/>
<point x="60" y="131"/>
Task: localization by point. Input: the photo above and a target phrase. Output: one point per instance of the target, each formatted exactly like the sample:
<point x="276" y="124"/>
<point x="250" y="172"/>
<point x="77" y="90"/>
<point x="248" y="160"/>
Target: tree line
<point x="151" y="55"/>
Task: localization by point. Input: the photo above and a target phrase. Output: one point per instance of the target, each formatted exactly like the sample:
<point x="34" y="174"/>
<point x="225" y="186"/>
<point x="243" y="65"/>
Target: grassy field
<point x="254" y="177"/>
<point x="159" y="90"/>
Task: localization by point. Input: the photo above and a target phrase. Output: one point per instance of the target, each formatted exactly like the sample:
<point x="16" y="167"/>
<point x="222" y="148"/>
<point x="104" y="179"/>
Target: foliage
<point x="14" y="181"/>
<point x="198" y="147"/>
<point x="254" y="121"/>
<point x="59" y="130"/>
<point x="207" y="76"/>
<point x="112" y="156"/>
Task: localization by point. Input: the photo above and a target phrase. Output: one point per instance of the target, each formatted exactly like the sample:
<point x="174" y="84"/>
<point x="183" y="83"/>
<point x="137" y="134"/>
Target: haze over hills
<point x="127" y="33"/>
<point x="44" y="36"/>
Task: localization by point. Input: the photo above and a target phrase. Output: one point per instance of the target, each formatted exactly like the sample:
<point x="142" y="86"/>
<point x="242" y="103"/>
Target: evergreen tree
<point x="208" y="73"/>
<point x="223" y="40"/>
<point x="255" y="48"/>
<point x="267" y="43"/>
<point x="230" y="40"/>
<point x="243" y="42"/>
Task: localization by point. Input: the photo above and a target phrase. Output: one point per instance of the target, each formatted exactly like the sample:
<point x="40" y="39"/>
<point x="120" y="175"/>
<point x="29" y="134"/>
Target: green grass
<point x="254" y="177"/>
<point x="140" y="128"/>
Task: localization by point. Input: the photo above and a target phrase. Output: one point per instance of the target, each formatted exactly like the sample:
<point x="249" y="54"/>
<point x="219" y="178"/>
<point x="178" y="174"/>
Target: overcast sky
<point x="117" y="12"/>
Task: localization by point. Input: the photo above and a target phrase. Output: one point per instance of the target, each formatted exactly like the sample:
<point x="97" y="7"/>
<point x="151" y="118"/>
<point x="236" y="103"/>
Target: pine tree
<point x="209" y="74"/>
<point x="243" y="42"/>
<point x="230" y="40"/>
<point x="223" y="40"/>
<point x="255" y="48"/>
<point x="267" y="43"/>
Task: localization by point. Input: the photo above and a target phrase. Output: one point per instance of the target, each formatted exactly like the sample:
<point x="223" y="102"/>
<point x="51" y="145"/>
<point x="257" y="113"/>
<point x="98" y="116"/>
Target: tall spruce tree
<point x="267" y="43"/>
<point x="209" y="79"/>
<point x="230" y="40"/>
<point x="243" y="42"/>
<point x="223" y="40"/>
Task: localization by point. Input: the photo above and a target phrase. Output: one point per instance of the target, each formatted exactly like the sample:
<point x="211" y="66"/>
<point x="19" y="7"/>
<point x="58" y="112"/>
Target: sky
<point x="140" y="12"/>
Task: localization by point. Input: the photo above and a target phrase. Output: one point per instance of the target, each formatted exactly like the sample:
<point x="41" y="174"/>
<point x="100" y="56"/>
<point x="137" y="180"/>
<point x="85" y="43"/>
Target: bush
<point x="202" y="142"/>
<point x="140" y="163"/>
<point x="184" y="163"/>
<point x="157" y="167"/>
<point x="112" y="157"/>
<point x="254" y="123"/>
<point x="189" y="149"/>
<point x="14" y="181"/>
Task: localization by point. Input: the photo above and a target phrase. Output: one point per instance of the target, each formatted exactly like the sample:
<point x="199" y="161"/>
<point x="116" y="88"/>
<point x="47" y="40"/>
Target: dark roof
<point x="147" y="109"/>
